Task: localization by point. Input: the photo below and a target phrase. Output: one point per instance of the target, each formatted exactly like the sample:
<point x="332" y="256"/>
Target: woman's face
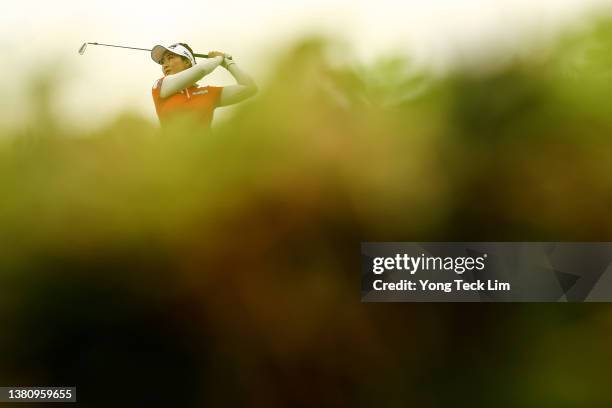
<point x="172" y="63"/>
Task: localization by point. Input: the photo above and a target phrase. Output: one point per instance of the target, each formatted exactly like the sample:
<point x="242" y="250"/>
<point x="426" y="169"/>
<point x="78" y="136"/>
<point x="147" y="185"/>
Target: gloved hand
<point x="227" y="61"/>
<point x="227" y="58"/>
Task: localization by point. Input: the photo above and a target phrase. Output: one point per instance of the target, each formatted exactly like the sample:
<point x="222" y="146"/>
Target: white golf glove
<point x="227" y="61"/>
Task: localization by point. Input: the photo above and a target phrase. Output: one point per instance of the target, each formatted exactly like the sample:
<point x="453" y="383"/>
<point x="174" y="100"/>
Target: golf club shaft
<point x="141" y="49"/>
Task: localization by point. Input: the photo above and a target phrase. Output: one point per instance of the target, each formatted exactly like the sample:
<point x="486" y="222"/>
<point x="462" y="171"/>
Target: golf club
<point x="84" y="46"/>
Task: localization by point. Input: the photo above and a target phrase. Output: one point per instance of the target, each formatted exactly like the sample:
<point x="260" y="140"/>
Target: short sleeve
<point x="157" y="83"/>
<point x="215" y="93"/>
<point x="155" y="93"/>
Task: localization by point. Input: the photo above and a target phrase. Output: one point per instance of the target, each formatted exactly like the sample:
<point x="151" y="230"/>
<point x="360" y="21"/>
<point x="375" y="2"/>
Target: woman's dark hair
<point x="190" y="50"/>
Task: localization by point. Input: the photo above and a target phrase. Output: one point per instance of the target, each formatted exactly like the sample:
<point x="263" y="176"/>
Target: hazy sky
<point x="46" y="35"/>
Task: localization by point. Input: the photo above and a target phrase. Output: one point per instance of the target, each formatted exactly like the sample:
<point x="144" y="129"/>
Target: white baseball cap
<point x="159" y="50"/>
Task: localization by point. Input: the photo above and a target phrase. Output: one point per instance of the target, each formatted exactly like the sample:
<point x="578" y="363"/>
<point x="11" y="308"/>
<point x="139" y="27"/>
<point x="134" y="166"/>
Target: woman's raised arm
<point x="179" y="81"/>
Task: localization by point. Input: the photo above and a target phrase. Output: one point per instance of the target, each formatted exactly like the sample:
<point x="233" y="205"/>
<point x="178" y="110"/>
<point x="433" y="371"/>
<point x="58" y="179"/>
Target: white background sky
<point x="39" y="35"/>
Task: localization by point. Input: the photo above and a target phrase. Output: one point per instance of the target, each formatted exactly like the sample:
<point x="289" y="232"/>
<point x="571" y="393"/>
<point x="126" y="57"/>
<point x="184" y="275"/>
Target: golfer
<point x="177" y="91"/>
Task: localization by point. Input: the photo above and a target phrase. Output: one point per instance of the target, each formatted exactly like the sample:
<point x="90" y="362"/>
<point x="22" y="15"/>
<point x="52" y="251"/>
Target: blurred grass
<point x="222" y="268"/>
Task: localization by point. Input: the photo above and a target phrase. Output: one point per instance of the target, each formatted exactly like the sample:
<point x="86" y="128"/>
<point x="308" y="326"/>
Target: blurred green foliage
<point x="222" y="268"/>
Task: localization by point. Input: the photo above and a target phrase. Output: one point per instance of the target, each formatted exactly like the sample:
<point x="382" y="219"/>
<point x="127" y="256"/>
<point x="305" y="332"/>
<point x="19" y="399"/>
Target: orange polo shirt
<point x="199" y="101"/>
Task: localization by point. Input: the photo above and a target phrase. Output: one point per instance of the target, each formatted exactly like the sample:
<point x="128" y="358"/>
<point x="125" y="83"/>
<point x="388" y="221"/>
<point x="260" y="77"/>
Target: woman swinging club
<point x="178" y="92"/>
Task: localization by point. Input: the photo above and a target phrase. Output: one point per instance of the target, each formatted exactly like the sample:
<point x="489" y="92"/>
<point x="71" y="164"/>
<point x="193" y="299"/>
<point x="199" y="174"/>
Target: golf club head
<point x="82" y="49"/>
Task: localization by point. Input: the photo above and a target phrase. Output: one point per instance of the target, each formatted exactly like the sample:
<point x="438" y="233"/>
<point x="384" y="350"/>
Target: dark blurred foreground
<point x="185" y="269"/>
